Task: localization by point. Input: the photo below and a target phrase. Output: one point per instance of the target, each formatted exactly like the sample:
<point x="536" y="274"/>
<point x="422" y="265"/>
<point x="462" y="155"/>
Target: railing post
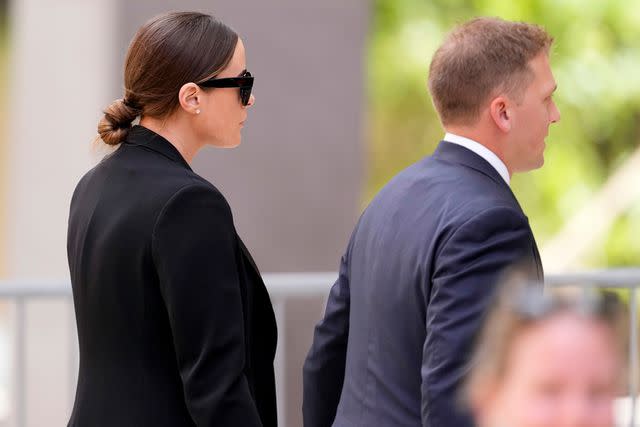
<point x="73" y="355"/>
<point x="633" y="353"/>
<point x="20" y="363"/>
<point x="280" y="309"/>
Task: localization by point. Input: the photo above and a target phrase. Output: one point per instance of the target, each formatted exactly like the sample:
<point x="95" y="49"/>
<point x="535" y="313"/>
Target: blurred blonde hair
<point x="519" y="306"/>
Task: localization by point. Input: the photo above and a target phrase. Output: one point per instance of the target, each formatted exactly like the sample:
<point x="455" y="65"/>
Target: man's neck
<point x="482" y="151"/>
<point x="488" y="141"/>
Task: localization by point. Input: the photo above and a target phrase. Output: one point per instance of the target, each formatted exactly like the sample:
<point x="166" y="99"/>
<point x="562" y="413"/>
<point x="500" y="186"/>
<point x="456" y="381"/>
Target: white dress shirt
<point x="481" y="151"/>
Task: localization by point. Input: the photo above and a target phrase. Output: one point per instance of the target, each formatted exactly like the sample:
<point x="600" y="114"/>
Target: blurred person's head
<point x="548" y="361"/>
<point x="491" y="81"/>
<point x="173" y="83"/>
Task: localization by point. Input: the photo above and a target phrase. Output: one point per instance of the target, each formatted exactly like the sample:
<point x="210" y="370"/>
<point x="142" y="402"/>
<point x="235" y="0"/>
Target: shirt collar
<point x="481" y="151"/>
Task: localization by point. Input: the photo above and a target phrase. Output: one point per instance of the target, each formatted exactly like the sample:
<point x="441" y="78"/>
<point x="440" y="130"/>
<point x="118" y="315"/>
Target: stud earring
<point x="198" y="111"/>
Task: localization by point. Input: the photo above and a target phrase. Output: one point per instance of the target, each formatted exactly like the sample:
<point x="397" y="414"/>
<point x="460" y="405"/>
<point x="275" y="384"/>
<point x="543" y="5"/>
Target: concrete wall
<point x="61" y="65"/>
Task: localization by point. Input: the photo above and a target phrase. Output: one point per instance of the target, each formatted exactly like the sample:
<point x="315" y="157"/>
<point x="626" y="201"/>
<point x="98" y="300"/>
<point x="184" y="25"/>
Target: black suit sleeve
<point x="323" y="372"/>
<point x="194" y="250"/>
<point x="463" y="283"/>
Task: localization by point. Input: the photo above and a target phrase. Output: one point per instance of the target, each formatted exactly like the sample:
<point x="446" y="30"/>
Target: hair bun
<point x="114" y="126"/>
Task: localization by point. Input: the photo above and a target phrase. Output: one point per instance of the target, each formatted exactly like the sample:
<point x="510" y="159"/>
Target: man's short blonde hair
<point x="479" y="59"/>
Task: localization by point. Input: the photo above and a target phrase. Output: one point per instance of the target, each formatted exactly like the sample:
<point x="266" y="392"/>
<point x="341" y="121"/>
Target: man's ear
<point x="189" y="98"/>
<point x="501" y="113"/>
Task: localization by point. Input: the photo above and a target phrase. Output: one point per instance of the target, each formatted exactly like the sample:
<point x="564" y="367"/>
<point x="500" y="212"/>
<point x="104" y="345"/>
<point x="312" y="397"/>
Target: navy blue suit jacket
<point x="414" y="284"/>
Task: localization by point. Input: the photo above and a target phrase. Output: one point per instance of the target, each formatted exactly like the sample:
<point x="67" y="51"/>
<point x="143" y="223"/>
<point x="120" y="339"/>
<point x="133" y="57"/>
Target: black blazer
<point x="175" y="325"/>
<point x="414" y="284"/>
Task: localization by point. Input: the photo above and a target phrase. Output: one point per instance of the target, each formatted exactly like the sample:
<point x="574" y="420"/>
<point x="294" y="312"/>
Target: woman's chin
<point x="227" y="143"/>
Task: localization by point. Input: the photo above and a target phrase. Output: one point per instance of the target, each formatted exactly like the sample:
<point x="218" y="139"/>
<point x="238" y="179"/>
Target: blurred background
<point x="342" y="106"/>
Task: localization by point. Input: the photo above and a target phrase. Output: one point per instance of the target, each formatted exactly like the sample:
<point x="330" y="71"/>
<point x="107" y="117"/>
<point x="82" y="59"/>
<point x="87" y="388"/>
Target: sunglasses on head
<point x="530" y="304"/>
<point x="244" y="82"/>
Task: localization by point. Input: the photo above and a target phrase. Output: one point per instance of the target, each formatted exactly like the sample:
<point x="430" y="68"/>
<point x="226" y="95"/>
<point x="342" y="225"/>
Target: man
<point x="420" y="268"/>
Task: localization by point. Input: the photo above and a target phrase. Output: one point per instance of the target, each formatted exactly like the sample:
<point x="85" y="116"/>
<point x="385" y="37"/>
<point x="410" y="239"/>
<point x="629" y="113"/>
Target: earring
<point x="198" y="111"/>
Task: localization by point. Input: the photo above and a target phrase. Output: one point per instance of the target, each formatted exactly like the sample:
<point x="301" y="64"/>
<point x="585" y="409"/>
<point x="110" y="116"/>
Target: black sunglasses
<point x="244" y="82"/>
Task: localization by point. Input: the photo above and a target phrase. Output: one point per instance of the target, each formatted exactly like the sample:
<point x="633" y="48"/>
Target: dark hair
<point x="476" y="59"/>
<point x="168" y="51"/>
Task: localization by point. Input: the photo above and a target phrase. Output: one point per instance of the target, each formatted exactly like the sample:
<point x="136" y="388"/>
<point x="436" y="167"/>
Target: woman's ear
<point x="189" y="98"/>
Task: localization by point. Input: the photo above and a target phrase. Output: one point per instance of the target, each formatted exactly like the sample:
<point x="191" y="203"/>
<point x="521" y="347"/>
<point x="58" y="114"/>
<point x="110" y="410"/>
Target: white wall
<point x="61" y="65"/>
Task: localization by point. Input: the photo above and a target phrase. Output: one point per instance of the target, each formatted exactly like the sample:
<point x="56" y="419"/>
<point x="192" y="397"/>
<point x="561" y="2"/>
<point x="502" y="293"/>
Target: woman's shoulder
<point x="162" y="174"/>
<point x="193" y="192"/>
<point x="192" y="185"/>
<point x="198" y="181"/>
<point x="197" y="205"/>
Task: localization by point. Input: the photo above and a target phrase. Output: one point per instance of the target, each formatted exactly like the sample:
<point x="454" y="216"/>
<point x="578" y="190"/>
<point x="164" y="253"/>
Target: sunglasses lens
<point x="245" y="92"/>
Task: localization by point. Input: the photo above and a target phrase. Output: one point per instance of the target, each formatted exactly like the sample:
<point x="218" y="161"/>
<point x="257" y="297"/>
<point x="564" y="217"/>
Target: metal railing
<point x="20" y="292"/>
<point x="282" y="287"/>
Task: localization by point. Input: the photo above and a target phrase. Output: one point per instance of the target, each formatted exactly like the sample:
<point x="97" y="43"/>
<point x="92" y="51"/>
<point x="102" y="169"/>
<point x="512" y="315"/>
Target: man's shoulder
<point x="440" y="197"/>
<point x="432" y="177"/>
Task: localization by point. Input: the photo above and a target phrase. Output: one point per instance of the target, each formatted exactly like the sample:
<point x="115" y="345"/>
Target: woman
<point x="549" y="361"/>
<point x="174" y="322"/>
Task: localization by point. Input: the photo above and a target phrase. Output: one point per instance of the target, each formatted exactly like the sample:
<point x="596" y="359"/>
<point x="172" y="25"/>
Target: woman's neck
<point x="171" y="131"/>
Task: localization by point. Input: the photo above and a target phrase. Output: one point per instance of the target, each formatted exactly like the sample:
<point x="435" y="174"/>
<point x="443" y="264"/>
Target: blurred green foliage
<point x="596" y="62"/>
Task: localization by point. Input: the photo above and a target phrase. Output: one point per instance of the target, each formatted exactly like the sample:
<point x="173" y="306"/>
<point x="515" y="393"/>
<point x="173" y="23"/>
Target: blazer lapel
<point x="143" y="137"/>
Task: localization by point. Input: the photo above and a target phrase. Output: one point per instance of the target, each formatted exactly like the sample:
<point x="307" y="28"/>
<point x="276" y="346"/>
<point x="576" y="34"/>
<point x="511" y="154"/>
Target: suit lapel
<point x="536" y="254"/>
